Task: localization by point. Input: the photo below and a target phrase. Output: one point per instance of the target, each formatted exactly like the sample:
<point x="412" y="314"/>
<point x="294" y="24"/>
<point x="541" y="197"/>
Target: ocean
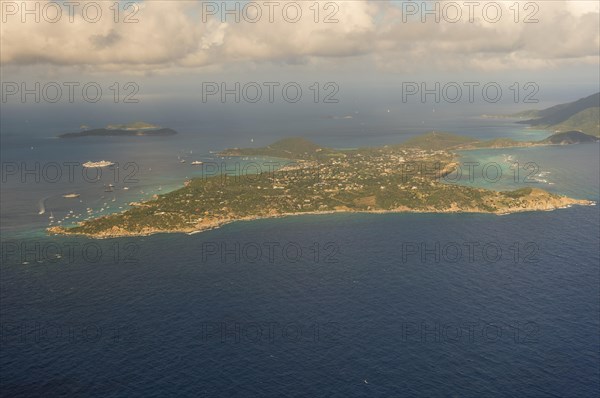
<point x="342" y="305"/>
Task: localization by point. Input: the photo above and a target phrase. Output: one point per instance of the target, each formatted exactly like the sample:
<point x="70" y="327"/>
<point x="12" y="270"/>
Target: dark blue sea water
<point x="184" y="322"/>
<point x="333" y="305"/>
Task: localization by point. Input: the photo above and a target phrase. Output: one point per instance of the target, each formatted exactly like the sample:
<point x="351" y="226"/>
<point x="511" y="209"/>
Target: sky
<point x="369" y="49"/>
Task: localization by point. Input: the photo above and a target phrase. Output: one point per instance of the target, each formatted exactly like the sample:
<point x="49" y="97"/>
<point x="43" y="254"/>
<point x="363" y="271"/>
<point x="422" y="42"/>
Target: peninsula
<point x="582" y="115"/>
<point x="401" y="178"/>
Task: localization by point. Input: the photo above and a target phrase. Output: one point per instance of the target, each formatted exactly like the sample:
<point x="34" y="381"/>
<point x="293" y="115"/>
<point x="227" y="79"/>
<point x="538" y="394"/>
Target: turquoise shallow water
<point x="148" y="167"/>
<point x="565" y="170"/>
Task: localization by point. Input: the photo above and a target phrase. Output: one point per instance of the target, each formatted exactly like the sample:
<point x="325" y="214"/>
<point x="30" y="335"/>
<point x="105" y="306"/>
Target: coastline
<point x="534" y="200"/>
<point x="526" y="144"/>
<point x="215" y="224"/>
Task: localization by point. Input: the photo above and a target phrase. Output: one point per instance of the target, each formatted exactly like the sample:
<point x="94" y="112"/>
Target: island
<point x="139" y="129"/>
<point x="101" y="163"/>
<point x="398" y="178"/>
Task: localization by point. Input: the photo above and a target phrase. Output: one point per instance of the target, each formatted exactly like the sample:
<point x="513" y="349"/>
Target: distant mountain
<point x="582" y="115"/>
<point x="586" y="121"/>
<point x="570" y="137"/>
<point x="447" y="141"/>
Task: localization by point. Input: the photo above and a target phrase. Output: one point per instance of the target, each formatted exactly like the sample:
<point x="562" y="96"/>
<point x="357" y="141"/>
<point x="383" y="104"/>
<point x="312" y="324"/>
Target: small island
<point x="323" y="180"/>
<point x="138" y="129"/>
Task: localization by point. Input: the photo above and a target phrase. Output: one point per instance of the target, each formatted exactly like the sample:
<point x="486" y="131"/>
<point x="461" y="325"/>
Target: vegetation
<point x="587" y="121"/>
<point x="581" y="115"/>
<point x="436" y="141"/>
<point x="570" y="137"/>
<point x="288" y="148"/>
<point x="132" y="126"/>
<point x="323" y="180"/>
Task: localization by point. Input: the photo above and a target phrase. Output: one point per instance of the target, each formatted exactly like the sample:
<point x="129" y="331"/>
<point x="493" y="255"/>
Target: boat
<point x="42" y="205"/>
<point x="197" y="162"/>
<point x="182" y="161"/>
<point x="71" y="195"/>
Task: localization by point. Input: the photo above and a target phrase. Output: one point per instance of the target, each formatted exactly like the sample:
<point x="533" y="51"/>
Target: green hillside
<point x="437" y="141"/>
<point x="587" y="121"/>
<point x="570" y="137"/>
<point x="132" y="126"/>
<point x="289" y="148"/>
<point x="581" y="115"/>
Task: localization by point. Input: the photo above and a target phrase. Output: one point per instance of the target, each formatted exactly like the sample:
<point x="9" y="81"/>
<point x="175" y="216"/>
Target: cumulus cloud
<point x="170" y="35"/>
<point x="102" y="41"/>
<point x="555" y="32"/>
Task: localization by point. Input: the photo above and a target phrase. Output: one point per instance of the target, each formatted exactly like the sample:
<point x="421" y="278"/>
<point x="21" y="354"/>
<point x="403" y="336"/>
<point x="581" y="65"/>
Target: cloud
<point x="108" y="40"/>
<point x="175" y="35"/>
<point x="563" y="33"/>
